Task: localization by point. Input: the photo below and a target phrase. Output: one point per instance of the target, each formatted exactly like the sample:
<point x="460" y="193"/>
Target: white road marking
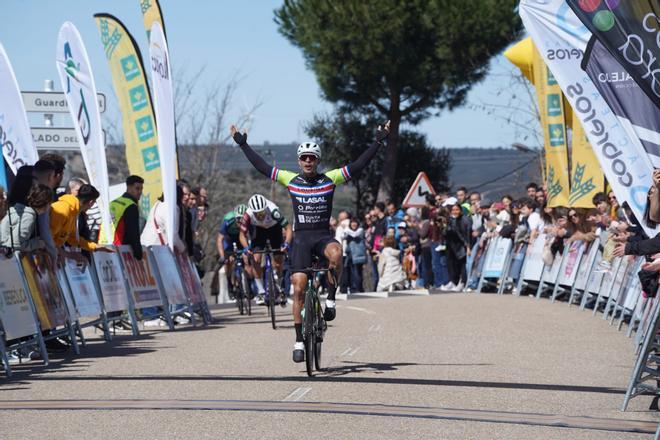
<point x="355" y="350"/>
<point x="297" y="394"/>
<point x="345" y="352"/>
<point x="360" y="309"/>
<point x="374" y="328"/>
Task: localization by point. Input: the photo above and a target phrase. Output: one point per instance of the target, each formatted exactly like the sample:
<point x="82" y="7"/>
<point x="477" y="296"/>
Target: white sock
<point x="260" y="285"/>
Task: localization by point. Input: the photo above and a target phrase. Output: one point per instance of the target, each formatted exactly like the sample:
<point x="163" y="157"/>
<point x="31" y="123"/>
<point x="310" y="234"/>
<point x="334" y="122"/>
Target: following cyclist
<point x="262" y="222"/>
<point x="311" y="194"/>
<point x="228" y="235"/>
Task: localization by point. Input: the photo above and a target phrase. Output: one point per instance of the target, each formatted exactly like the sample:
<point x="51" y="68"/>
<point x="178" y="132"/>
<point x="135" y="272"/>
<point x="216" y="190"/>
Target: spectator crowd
<point x="57" y="220"/>
<point x="439" y="244"/>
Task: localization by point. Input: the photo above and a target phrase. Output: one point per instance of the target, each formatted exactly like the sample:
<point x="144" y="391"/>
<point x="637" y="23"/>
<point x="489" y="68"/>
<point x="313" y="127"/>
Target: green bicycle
<point x="314" y="326"/>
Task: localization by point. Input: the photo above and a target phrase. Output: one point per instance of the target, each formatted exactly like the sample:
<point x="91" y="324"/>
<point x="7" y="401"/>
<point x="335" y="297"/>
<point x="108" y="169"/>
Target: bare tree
<point x="201" y="115"/>
<point x="515" y="103"/>
<point x="202" y="118"/>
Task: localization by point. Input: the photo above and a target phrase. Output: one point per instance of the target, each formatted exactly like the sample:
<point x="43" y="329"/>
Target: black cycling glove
<point x="381" y="134"/>
<point x="240" y="138"/>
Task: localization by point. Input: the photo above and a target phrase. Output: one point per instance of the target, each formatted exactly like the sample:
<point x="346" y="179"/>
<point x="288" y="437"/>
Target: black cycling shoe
<point x="329" y="313"/>
<point x="298" y="356"/>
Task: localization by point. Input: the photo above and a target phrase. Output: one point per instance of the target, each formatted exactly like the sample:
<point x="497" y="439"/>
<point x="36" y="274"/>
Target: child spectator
<point x="390" y="271"/>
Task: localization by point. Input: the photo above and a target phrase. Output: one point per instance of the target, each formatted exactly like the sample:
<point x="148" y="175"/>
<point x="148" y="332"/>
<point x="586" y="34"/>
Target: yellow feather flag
<point x="151" y="13"/>
<point x="587" y="177"/>
<point x="134" y="99"/>
<point x="551" y="110"/>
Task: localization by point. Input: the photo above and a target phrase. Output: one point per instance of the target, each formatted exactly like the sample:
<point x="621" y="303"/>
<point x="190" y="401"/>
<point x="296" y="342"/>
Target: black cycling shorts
<point x="274" y="234"/>
<point x="306" y="245"/>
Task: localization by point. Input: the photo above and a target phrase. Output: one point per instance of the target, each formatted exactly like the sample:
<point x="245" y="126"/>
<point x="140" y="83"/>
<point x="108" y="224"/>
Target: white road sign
<point x="51" y="102"/>
<point x="52" y="138"/>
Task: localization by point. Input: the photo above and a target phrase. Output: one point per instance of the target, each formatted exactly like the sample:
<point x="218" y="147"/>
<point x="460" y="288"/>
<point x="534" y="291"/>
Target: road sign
<point x="416" y="197"/>
<point x="52" y="138"/>
<point x="52" y="102"/>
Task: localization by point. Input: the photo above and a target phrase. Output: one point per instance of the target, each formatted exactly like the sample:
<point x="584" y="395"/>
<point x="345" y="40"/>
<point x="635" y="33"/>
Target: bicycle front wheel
<point x="271" y="298"/>
<point x="309" y="334"/>
<point x="238" y="293"/>
<point x="245" y="287"/>
<point x="318" y="339"/>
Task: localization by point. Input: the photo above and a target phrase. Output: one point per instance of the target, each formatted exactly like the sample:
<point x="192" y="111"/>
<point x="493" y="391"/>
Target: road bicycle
<point x="240" y="284"/>
<point x="314" y="326"/>
<point x="271" y="281"/>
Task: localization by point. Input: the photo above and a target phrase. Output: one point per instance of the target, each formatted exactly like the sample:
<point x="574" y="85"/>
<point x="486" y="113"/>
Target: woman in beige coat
<point x="390" y="270"/>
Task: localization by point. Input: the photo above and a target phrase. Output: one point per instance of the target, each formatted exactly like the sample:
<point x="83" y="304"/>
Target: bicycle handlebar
<point x="269" y="251"/>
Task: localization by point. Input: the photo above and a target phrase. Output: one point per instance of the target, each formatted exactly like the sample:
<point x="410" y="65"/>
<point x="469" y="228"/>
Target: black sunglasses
<point x="307" y="158"/>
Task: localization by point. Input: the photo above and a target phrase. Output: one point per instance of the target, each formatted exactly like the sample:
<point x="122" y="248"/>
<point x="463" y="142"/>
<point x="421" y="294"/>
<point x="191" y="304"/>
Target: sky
<point x="228" y="38"/>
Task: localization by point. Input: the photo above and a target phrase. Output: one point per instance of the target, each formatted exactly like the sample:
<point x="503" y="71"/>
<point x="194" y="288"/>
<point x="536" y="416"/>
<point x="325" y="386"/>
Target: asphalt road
<point x="440" y="366"/>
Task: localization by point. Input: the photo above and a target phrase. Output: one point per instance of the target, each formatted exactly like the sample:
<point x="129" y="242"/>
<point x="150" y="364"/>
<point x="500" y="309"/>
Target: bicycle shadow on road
<point x="379" y="367"/>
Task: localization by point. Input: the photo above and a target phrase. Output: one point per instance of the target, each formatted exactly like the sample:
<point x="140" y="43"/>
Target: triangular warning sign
<point x="416" y="197"/>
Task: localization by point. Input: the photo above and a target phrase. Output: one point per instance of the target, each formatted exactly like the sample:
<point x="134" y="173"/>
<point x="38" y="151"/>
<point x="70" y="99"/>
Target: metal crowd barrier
<point x="40" y="300"/>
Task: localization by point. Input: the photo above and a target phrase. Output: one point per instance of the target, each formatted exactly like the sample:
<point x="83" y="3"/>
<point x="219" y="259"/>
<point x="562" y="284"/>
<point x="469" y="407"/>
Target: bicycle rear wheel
<point x="309" y="334"/>
<point x="271" y="299"/>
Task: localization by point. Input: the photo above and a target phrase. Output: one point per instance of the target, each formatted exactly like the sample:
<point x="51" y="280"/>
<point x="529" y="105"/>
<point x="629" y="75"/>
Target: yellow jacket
<point x="64" y="223"/>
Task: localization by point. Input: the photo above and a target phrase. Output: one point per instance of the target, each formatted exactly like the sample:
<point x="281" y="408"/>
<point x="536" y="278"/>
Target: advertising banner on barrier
<point x="586" y="265"/>
<point x="113" y="288"/>
<point x="80" y="91"/>
<point x="496" y="260"/>
<point x="45" y="291"/>
<point x="562" y="39"/>
<point x="534" y="259"/>
<point x="66" y="292"/>
<point x="83" y="289"/>
<point x="161" y="83"/>
<point x="15" y="311"/>
<point x="134" y="99"/>
<point x="638" y="115"/>
<point x="569" y="265"/>
<point x="630" y="31"/>
<point x="190" y="280"/>
<point x="15" y="136"/>
<point x="143" y="285"/>
<point x="587" y="178"/>
<point x="169" y="275"/>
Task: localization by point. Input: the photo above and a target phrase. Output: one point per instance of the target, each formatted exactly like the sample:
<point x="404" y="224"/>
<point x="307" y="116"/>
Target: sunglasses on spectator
<point x="572" y="215"/>
<point x="307" y="158"/>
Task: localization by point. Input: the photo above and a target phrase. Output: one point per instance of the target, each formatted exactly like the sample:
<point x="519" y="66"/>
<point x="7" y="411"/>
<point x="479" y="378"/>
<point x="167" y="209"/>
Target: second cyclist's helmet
<point x="240" y="209"/>
<point x="309" y="148"/>
<point x="257" y="203"/>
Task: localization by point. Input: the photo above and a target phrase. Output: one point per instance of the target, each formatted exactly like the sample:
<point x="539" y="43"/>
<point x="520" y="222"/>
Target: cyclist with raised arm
<point x="229" y="234"/>
<point x="311" y="194"/>
<point x="264" y="222"/>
